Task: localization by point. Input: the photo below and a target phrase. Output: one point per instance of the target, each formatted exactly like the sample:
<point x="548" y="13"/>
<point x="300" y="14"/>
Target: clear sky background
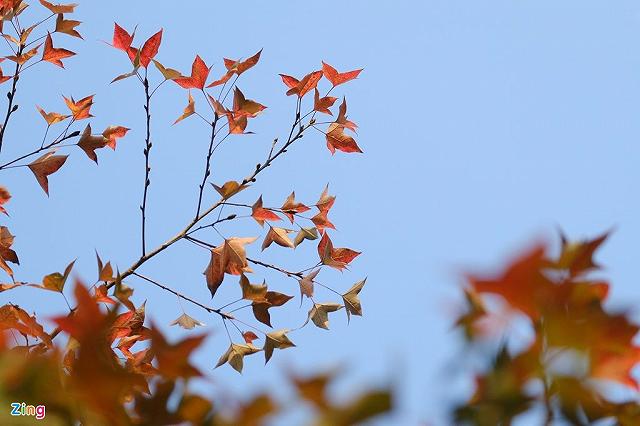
<point x="484" y="125"/>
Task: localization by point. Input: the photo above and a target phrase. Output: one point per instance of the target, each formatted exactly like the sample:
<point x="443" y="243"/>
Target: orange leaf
<point x="5" y="196"/>
<point x="245" y="107"/>
<point x="198" y="78"/>
<point x="51" y="117"/>
<point x="302" y="87"/>
<point x="189" y="110"/>
<point x="113" y="133"/>
<point x="290" y="207"/>
<point x="337" y="139"/>
<point x="337" y="258"/>
<point x="323" y="104"/>
<point x="81" y="109"/>
<point x="59" y="8"/>
<point x="260" y="214"/>
<point x="22" y="59"/>
<point x="45" y="166"/>
<point x="89" y="143"/>
<point x="54" y="55"/>
<point x="67" y="26"/>
<point x="4" y="78"/>
<point x="239" y="67"/>
<point x="336" y="78"/>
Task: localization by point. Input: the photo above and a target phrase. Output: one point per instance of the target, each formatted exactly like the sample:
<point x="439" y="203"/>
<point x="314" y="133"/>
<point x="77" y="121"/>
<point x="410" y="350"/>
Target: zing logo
<point x="22" y="409"/>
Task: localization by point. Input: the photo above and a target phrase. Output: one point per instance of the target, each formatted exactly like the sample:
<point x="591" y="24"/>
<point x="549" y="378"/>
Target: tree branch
<point x="147" y="168"/>
<point x="11" y="95"/>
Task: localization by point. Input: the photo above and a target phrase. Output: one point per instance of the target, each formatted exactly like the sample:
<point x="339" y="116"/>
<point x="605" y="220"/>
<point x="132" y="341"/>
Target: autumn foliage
<point x="575" y="348"/>
<point x="104" y="362"/>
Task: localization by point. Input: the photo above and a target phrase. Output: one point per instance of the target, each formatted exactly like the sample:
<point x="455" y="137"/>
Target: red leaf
<point x="198" y="78"/>
<point x="53" y="55"/>
<point x="336" y="78"/>
<point x="121" y="38"/>
<point x="150" y="49"/>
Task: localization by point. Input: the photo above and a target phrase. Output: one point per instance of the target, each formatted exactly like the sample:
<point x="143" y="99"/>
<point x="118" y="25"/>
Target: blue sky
<point x="484" y="125"/>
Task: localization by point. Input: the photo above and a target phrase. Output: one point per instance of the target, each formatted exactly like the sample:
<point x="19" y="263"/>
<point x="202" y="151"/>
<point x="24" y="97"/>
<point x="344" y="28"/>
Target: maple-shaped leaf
<point x="272" y="299"/>
<point x="237" y="123"/>
<point x="198" y="78"/>
<point x="326" y="201"/>
<point x="102" y="296"/>
<point x="3" y="77"/>
<point x="214" y="273"/>
<point x="55" y="55"/>
<point x="89" y="143"/>
<point x="253" y="292"/>
<point x="105" y="271"/>
<point x="150" y="49"/>
<point x="239" y="67"/>
<point x="351" y="300"/>
<point x="173" y="360"/>
<point x="301" y="87"/>
<point x="24" y="57"/>
<point x="290" y="207"/>
<point x="236" y="68"/>
<point x="113" y="133"/>
<point x="319" y="313"/>
<point x="234" y="255"/>
<point x="342" y="117"/>
<point x="6" y="253"/>
<point x="123" y="293"/>
<point x="13" y="317"/>
<point x="46" y="165"/>
<point x="314" y="388"/>
<point x="59" y="8"/>
<point x="80" y="109"/>
<point x="56" y="281"/>
<point x="338" y="258"/>
<point x="249" y="337"/>
<point x="321" y="221"/>
<point x="167" y="73"/>
<point x="5" y="196"/>
<point x="323" y="104"/>
<point x="189" y="110"/>
<point x="67" y="26"/>
<point x="121" y="38"/>
<point x="229" y="257"/>
<point x="245" y="107"/>
<point x="229" y="188"/>
<point x="305" y="234"/>
<point x="577" y="257"/>
<point x="337" y="139"/>
<point x="187" y="322"/>
<point x="522" y="284"/>
<point x="51" y="117"/>
<point x="276" y="340"/>
<point x="336" y="78"/>
<point x="235" y="355"/>
<point x="279" y="236"/>
<point x="260" y="214"/>
<point x="306" y="284"/>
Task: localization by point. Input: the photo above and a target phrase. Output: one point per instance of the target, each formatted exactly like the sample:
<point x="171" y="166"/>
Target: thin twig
<point x="147" y="168"/>
<point x="11" y="95"/>
<point x="182" y="296"/>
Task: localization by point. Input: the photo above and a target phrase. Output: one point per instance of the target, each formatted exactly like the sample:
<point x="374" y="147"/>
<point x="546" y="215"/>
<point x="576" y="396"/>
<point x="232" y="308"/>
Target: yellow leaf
<point x="276" y="340"/>
<point x="319" y="314"/>
<point x="187" y="322"/>
<point x="235" y="356"/>
<point x="351" y="301"/>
